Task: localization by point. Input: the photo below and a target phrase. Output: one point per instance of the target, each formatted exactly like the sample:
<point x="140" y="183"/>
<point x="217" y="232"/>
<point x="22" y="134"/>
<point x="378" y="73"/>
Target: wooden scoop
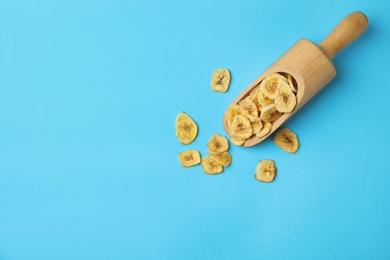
<point x="310" y="64"/>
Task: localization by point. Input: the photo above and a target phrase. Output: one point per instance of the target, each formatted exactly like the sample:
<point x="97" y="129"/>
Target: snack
<point x="241" y="127"/>
<point x="220" y="80"/>
<point x="265" y="103"/>
<point x="186" y="128"/>
<point x="270" y="113"/>
<point x="210" y="165"/>
<point x="264" y="130"/>
<point x="269" y="85"/>
<point x="287" y="140"/>
<point x="217" y="144"/>
<point x="223" y="158"/>
<point x="189" y="158"/>
<point x="265" y="171"/>
<point x="285" y="101"/>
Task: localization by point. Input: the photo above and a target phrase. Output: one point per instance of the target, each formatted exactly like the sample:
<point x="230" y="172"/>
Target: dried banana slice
<point x="256" y="124"/>
<point x="264" y="100"/>
<point x="237" y="141"/>
<point x="189" y="158"/>
<point x="241" y="127"/>
<point x="220" y="80"/>
<point x="186" y="128"/>
<point x="223" y="158"/>
<point x="231" y="112"/>
<point x="265" y="171"/>
<point x="255" y="99"/>
<point x="210" y="165"/>
<point x="269" y="113"/>
<point x="265" y="130"/>
<point x="285" y="100"/>
<point x="287" y="140"/>
<point x="291" y="81"/>
<point x="217" y="144"/>
<point x="269" y="85"/>
<point x="248" y="108"/>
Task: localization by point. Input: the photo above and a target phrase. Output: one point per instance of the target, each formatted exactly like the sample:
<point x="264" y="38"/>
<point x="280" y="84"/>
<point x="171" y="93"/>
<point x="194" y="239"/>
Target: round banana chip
<point x="223" y="158"/>
<point x="293" y="84"/>
<point x="241" y="127"/>
<point x="237" y="141"/>
<point x="265" y="130"/>
<point x="263" y="99"/>
<point x="231" y="112"/>
<point x="186" y="128"/>
<point x="220" y="80"/>
<point x="217" y="144"/>
<point x="210" y="165"/>
<point x="269" y="113"/>
<point x="269" y="85"/>
<point x="248" y="108"/>
<point x="189" y="158"/>
<point x="265" y="171"/>
<point x="287" y="140"/>
<point x="285" y="100"/>
<point x="256" y="124"/>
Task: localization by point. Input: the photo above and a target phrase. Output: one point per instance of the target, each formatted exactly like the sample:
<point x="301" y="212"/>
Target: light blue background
<point x="89" y="91"/>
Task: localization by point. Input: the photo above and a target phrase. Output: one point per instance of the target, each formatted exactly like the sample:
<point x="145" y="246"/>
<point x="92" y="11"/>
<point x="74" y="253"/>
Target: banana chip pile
<point x="254" y="115"/>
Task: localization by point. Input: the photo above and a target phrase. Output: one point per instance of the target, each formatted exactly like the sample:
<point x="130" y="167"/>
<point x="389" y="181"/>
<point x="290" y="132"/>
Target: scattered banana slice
<point x="210" y="165"/>
<point x="287" y="140"/>
<point x="248" y="108"/>
<point x="217" y="144"/>
<point x="265" y="130"/>
<point x="220" y="80"/>
<point x="189" y="158"/>
<point x="269" y="85"/>
<point x="285" y="100"/>
<point x="186" y="128"/>
<point x="223" y="158"/>
<point x="241" y="127"/>
<point x="270" y="113"/>
<point x="265" y="171"/>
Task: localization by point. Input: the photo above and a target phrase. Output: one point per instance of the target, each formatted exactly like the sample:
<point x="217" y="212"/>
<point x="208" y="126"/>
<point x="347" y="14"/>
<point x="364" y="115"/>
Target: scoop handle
<point x="347" y="30"/>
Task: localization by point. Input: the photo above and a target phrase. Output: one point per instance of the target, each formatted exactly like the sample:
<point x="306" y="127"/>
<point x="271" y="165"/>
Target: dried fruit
<point x="287" y="140"/>
<point x="256" y="124"/>
<point x="285" y="100"/>
<point x="220" y="80"/>
<point x="264" y="104"/>
<point x="291" y="81"/>
<point x="264" y="130"/>
<point x="217" y="144"/>
<point x="189" y="158"/>
<point x="269" y="85"/>
<point x="186" y="128"/>
<point x="241" y="127"/>
<point x="223" y="158"/>
<point x="210" y="165"/>
<point x="248" y="108"/>
<point x="237" y="140"/>
<point x="232" y="111"/>
<point x="269" y="113"/>
<point x="265" y="171"/>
